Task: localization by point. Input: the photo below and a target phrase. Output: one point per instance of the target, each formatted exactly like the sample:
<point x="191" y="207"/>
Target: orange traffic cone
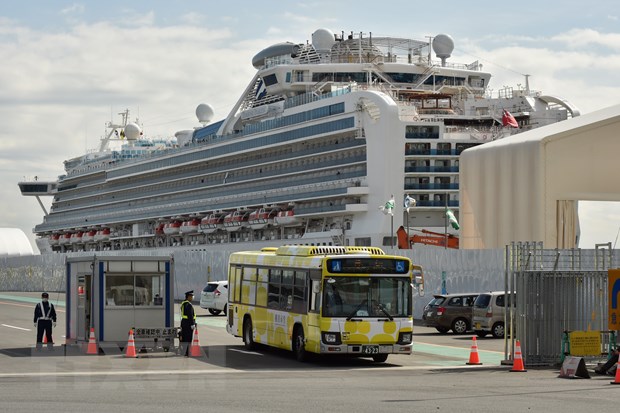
<point x="92" y="343"/>
<point x="517" y="363"/>
<point x="44" y="338"/>
<point x="617" y="380"/>
<point x="194" y="350"/>
<point x="131" y="346"/>
<point x="473" y="355"/>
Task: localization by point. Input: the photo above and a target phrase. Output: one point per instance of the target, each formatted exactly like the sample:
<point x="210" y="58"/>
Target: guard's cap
<point x="190" y="292"/>
<point x="45" y="295"/>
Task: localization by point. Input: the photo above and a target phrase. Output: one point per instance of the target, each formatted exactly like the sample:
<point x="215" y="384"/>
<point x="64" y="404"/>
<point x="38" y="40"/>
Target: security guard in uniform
<point x="188" y="322"/>
<point x="44" y="318"/>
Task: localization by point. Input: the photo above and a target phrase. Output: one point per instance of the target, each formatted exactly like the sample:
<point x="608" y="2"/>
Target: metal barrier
<point x="556" y="291"/>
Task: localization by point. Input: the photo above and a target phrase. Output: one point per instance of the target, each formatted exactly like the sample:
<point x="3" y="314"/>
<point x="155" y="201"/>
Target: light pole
<point x="388" y="208"/>
<point x="409" y="202"/>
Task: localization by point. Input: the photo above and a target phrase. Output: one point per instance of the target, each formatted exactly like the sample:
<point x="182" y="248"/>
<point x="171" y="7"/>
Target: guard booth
<point x="114" y="294"/>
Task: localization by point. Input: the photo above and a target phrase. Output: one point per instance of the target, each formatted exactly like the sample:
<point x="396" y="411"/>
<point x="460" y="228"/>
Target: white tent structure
<point x="527" y="187"/>
<point x="13" y="242"/>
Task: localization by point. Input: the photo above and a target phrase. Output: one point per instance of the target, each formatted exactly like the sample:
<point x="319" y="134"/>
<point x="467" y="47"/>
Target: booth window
<point x="133" y="290"/>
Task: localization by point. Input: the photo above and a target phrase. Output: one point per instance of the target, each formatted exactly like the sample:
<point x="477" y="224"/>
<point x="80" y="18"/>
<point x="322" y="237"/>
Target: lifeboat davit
<point x="260" y="218"/>
<point x="89" y="236"/>
<point x="287" y="218"/>
<point x="235" y="220"/>
<point x="212" y="223"/>
<point x="172" y="228"/>
<point x="103" y="234"/>
<point x="53" y="239"/>
<point x="190" y="227"/>
<point x="76" y="237"/>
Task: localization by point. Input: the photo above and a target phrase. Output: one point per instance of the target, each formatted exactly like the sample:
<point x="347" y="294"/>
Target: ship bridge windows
<point x="270" y="80"/>
<point x="359" y="77"/>
<point x="404" y="77"/>
<point x="445" y="80"/>
<point x="422" y="132"/>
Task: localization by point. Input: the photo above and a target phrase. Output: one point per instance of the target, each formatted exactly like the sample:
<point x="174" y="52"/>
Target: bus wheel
<point x="248" y="339"/>
<point x="299" y="347"/>
<point x="380" y="358"/>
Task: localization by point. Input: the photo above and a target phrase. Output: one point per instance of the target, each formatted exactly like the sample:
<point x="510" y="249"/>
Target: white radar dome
<point x="443" y="45"/>
<point x="204" y="113"/>
<point x="132" y="131"/>
<point x="323" y="40"/>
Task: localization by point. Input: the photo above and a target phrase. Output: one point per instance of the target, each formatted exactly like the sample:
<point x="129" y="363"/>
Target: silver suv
<point x="489" y="313"/>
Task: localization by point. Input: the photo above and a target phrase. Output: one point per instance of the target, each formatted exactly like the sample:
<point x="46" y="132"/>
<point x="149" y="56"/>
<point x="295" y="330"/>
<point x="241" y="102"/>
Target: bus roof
<point x="314" y="250"/>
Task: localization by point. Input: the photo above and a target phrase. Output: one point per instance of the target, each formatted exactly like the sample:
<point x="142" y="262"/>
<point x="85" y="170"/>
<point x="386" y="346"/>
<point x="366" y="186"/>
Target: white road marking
<point x="245" y="351"/>
<point x="19" y="328"/>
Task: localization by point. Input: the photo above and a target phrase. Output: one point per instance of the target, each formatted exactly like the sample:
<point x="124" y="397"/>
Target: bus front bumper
<point x="366" y="350"/>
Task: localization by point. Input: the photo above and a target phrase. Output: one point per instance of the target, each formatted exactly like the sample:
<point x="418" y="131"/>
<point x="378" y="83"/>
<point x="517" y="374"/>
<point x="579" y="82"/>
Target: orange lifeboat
<point x="212" y="223"/>
<point x="89" y="236"/>
<point x="159" y="229"/>
<point x="54" y="238"/>
<point x="190" y="227"/>
<point x="76" y="237"/>
<point x="172" y="228"/>
<point x="286" y="218"/>
<point x="103" y="234"/>
<point x="65" y="238"/>
<point x="235" y="220"/>
<point x="260" y="218"/>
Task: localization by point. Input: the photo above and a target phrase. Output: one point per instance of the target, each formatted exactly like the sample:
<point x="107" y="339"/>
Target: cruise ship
<point x="327" y="141"/>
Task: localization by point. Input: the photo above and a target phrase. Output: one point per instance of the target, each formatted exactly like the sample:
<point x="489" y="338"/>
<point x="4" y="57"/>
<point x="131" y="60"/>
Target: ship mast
<point x="112" y="128"/>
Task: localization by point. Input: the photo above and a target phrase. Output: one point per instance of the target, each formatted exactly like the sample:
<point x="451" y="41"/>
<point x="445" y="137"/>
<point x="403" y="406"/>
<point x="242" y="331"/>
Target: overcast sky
<point x="69" y="67"/>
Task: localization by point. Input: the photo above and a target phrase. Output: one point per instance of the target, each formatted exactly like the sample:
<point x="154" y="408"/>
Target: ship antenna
<point x="527" y="85"/>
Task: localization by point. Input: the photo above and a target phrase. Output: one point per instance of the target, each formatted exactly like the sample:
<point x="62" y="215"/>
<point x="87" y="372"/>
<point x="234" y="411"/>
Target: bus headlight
<point x="405" y="337"/>
<point x="331" y="337"/>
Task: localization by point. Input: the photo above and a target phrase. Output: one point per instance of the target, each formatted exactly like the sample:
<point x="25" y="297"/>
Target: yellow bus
<point x="324" y="300"/>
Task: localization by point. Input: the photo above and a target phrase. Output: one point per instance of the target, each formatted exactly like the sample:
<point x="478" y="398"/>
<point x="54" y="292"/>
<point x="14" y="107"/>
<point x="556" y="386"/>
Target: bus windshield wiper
<point x="356" y="310"/>
<point x="384" y="311"/>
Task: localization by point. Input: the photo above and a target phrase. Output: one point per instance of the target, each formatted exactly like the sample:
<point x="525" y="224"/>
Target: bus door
<point x="314" y="310"/>
<point x="83" y="307"/>
<point x="234" y="293"/>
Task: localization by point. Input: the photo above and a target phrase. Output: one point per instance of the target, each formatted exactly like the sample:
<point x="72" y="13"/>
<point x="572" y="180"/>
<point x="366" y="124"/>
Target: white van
<point x="489" y="313"/>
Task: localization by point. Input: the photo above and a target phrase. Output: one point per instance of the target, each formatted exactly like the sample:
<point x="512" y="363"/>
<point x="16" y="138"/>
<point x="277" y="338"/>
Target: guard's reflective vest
<point x="45" y="316"/>
<point x="183" y="315"/>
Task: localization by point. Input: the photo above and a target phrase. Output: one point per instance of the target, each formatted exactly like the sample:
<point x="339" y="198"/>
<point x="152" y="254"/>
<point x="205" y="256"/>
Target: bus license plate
<point x="370" y="349"/>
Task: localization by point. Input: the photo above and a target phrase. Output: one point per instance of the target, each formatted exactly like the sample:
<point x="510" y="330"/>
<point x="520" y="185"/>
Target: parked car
<point x="214" y="297"/>
<point x="489" y="313"/>
<point x="449" y="312"/>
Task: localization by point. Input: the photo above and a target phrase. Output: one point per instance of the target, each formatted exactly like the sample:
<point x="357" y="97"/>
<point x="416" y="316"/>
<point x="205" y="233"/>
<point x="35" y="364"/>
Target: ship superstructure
<point x="322" y="136"/>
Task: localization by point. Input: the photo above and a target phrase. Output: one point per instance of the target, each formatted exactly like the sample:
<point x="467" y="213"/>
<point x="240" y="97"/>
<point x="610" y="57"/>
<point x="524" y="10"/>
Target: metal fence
<point x="556" y="291"/>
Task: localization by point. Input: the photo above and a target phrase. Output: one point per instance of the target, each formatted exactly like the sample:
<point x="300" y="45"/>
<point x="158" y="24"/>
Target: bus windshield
<point x="350" y="297"/>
